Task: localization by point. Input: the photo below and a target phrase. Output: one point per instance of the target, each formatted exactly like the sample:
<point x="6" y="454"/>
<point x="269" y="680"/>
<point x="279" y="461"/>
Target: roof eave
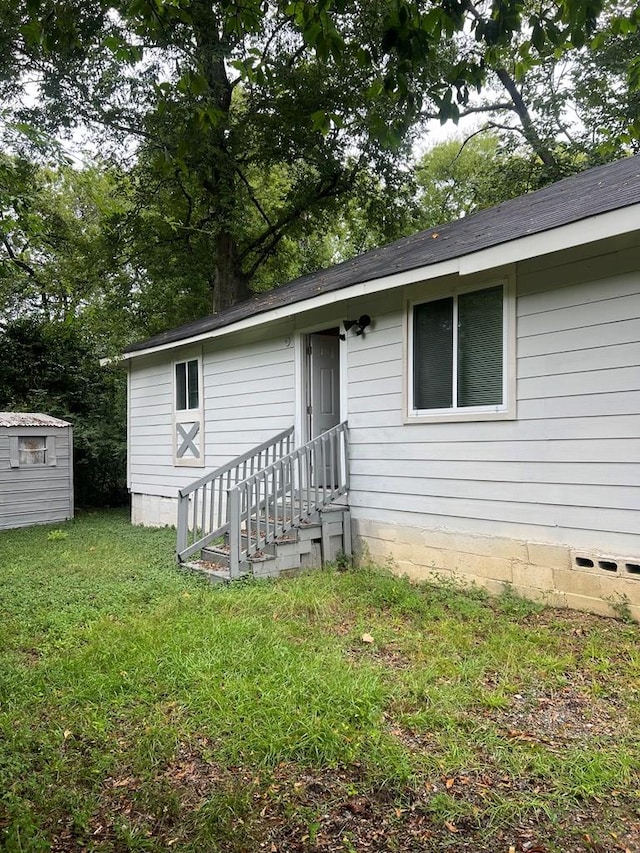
<point x="579" y="233"/>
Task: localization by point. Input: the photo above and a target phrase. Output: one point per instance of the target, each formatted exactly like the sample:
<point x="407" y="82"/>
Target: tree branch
<point x="20" y="263"/>
<point x="269" y="239"/>
<point x="528" y="127"/>
<point x="484" y="108"/>
<point x="252" y="196"/>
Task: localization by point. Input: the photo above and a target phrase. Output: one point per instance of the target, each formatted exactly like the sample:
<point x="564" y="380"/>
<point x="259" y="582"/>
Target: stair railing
<point x="268" y="503"/>
<point x="203" y="506"/>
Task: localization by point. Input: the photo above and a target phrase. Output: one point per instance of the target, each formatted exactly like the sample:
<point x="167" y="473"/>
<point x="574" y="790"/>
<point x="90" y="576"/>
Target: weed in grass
<point x="587" y="774"/>
<point x="343" y="561"/>
<point x="57" y="535"/>
<point x="494" y="698"/>
<point x="444" y="808"/>
<point x="507" y="808"/>
<point x="621" y="607"/>
<point x="225" y="820"/>
<point x="515" y="606"/>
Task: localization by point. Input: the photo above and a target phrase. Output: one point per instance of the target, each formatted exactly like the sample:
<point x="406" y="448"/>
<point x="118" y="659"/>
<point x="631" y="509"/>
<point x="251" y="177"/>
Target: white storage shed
<point x="36" y="469"/>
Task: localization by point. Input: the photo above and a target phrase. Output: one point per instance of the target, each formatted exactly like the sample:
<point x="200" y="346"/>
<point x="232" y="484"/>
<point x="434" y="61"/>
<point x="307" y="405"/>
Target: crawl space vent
<point x="619" y="565"/>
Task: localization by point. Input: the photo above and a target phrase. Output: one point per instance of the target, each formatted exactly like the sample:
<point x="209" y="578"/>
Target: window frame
<point x="49" y="449"/>
<point x="188" y="415"/>
<point x="503" y="411"/>
<point x="187" y="362"/>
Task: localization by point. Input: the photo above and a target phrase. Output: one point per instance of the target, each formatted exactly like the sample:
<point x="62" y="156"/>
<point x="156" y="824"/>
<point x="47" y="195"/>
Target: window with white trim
<point x="458" y="354"/>
<point x="187" y="385"/>
<point x="188" y="427"/>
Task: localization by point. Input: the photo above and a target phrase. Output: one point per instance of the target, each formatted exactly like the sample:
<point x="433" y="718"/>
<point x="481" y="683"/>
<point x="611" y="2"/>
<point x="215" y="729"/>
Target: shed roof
<point x="590" y="193"/>
<point x="30" y="419"/>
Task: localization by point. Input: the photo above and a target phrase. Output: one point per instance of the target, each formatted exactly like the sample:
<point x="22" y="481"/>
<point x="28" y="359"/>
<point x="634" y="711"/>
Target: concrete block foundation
<point x="548" y="573"/>
<point x="153" y="510"/>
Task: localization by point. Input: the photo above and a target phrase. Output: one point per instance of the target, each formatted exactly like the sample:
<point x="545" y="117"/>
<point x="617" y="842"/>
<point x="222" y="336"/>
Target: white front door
<point x="324" y="376"/>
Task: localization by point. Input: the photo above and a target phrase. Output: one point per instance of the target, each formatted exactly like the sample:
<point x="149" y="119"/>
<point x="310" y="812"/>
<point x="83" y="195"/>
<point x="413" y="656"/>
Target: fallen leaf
<point x="67" y="734"/>
<point x="451" y="826"/>
<point x="450" y="783"/>
<point x="366" y="638"/>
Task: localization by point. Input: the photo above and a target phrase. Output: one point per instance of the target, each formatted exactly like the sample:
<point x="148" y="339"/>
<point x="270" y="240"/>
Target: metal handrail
<point x="203" y="506"/>
<point x="268" y="503"/>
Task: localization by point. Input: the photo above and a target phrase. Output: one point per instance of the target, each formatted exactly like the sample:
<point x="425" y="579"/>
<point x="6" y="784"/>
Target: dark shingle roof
<point x="595" y="191"/>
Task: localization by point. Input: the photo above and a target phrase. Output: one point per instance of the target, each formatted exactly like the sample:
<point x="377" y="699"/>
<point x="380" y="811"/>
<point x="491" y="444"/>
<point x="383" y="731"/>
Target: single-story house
<point x="486" y="374"/>
<point x="36" y="469"/>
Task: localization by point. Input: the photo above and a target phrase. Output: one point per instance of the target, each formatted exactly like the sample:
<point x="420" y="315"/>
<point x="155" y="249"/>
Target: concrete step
<point x="318" y="539"/>
<point x="219" y="554"/>
<point x="213" y="572"/>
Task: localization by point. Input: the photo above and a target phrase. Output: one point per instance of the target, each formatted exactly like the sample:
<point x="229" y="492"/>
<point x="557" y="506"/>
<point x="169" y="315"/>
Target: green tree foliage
<point x="461" y="176"/>
<point x="50" y="366"/>
<point x="569" y="108"/>
<point x="58" y="255"/>
<point x="60" y="288"/>
<point x="604" y="89"/>
<point x="247" y="143"/>
<point x="212" y="97"/>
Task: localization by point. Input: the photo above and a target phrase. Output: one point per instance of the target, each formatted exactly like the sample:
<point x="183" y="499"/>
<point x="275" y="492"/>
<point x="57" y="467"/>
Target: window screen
<point x="480" y="348"/>
<point x="433" y="354"/>
<point x="192" y="383"/>
<point x="458" y="351"/>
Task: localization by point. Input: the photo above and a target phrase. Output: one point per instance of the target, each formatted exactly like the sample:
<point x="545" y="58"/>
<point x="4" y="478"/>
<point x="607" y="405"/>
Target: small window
<point x="458" y="353"/>
<point x="32" y="450"/>
<point x="187" y="385"/>
<point x="26" y="450"/>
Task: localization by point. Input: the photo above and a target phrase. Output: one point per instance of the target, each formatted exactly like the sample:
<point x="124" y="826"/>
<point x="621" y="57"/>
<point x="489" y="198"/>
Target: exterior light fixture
<point x="360" y="324"/>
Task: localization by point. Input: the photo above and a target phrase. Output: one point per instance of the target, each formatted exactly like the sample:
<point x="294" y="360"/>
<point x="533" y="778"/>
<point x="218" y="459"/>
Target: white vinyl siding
<point x="567" y="471"/>
<point x="247" y="397"/>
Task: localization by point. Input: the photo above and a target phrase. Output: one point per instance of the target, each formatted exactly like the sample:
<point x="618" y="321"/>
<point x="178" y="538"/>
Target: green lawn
<point x="142" y="709"/>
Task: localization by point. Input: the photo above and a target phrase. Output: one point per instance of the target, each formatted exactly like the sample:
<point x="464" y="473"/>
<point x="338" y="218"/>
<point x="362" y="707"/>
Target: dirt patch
<point x="561" y="717"/>
<point x="288" y="810"/>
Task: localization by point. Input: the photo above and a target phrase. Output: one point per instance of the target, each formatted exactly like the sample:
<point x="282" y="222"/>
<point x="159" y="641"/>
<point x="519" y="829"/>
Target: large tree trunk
<point x="217" y="170"/>
<point x="230" y="284"/>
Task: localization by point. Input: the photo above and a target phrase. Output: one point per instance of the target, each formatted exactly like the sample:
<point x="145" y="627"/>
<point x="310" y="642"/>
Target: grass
<point x="142" y="709"/>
